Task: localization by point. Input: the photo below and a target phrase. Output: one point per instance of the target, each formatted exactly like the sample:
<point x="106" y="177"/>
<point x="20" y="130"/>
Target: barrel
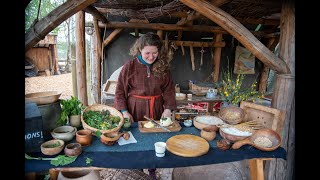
<point x="50" y="115"/>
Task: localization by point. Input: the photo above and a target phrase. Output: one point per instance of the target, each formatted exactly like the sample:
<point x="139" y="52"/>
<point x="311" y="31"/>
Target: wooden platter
<point x="187" y="145"/>
<point x="174" y="127"/>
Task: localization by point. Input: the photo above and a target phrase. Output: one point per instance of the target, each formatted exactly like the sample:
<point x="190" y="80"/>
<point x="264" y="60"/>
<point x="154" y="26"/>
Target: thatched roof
<point x="152" y="9"/>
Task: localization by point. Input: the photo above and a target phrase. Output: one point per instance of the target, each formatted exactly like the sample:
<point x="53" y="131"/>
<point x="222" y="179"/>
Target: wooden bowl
<point x="52" y="147"/>
<point x="203" y="121"/>
<point x="263" y="139"/>
<point x="100" y="107"/>
<point x="232" y="137"/>
<point x="231" y="114"/>
<point x="110" y="138"/>
<point x="40" y="98"/>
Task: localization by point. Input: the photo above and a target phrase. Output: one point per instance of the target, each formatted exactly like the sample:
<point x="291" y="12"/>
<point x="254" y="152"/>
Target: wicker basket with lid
<point x="101" y="107"/>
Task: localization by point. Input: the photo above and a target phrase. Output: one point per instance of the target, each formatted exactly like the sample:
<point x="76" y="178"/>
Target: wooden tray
<point x="174" y="127"/>
<point x="187" y="145"/>
<point x="110" y="87"/>
<point x="269" y="117"/>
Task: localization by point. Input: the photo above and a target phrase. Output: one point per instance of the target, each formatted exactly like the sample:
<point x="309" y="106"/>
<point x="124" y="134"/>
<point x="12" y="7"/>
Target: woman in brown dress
<point x="145" y="85"/>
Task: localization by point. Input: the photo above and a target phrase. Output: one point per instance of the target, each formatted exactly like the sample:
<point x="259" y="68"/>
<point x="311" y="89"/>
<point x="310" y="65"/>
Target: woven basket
<point x="101" y="107"/>
<point x="231" y="115"/>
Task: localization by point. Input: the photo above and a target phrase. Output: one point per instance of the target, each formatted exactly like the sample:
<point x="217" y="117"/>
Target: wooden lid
<point x="187" y="145"/>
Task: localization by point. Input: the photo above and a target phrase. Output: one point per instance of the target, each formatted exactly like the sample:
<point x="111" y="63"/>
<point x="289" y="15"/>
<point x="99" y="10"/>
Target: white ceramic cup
<point x="189" y="96"/>
<point x="160" y="148"/>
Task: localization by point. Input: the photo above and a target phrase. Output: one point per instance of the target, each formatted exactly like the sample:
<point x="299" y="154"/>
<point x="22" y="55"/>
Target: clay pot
<point x="84" y="137"/>
<point x="73" y="149"/>
<point x="65" y="133"/>
<point x="208" y="133"/>
<point x="75" y="120"/>
<point x="79" y="175"/>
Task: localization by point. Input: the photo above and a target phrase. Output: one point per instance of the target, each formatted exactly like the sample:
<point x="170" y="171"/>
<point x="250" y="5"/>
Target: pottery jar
<point x="75" y="120"/>
<point x="84" y="137"/>
<point x="208" y="133"/>
<point x="73" y="149"/>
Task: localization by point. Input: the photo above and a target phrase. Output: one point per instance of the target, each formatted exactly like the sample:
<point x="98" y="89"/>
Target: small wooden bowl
<point x="73" y="149"/>
<point x="110" y="138"/>
<point x="52" y="147"/>
<point x="40" y="98"/>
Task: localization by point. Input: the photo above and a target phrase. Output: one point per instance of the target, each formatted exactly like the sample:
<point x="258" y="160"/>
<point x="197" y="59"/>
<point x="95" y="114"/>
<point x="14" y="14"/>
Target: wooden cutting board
<point x="174" y="127"/>
<point x="187" y="145"/>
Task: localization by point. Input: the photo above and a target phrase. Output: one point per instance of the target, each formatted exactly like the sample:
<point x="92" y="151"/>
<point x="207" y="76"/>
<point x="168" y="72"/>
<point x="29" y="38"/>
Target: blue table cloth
<point x="141" y="155"/>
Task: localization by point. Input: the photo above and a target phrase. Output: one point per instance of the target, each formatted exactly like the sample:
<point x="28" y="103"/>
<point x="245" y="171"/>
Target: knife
<point x="155" y="122"/>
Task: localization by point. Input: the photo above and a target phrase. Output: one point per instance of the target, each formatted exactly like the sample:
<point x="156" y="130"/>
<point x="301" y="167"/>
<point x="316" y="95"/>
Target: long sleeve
<point x="121" y="94"/>
<point x="169" y="94"/>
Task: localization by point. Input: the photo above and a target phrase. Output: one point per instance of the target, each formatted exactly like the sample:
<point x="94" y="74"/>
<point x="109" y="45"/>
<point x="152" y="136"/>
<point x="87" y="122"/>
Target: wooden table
<point x="141" y="155"/>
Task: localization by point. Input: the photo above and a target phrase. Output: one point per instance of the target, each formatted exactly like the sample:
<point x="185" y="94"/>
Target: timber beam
<point x="95" y="13"/>
<point x="45" y="25"/>
<point x="241" y="33"/>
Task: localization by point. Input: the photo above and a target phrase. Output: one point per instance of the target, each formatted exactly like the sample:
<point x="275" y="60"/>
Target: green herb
<point x="38" y="158"/>
<point x="46" y="177"/>
<point x="63" y="160"/>
<point x="98" y="133"/>
<point x="89" y="161"/>
<point x="53" y="145"/>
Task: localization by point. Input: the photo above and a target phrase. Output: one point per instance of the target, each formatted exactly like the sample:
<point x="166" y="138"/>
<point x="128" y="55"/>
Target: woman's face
<point x="149" y="53"/>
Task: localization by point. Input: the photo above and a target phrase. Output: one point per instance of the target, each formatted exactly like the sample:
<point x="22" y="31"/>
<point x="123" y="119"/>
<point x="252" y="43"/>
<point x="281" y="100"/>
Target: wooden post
<point x="217" y="58"/>
<point x="96" y="64"/>
<point x="284" y="94"/>
<point x="265" y="72"/>
<point x="81" y="58"/>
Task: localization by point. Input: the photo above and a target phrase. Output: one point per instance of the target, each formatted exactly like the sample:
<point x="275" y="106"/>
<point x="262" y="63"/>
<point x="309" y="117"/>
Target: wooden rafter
<point x="52" y="20"/>
<point x="95" y="13"/>
<point x="242" y="34"/>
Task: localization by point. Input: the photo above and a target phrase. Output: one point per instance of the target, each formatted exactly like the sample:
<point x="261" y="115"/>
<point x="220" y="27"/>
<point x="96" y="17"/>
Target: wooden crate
<point x="269" y="117"/>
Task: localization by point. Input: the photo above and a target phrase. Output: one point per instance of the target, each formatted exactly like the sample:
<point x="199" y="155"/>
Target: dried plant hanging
<point x="201" y="58"/>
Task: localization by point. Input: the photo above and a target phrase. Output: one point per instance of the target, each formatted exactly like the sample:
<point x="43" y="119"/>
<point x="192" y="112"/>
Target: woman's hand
<point x="166" y="113"/>
<point x="126" y="114"/>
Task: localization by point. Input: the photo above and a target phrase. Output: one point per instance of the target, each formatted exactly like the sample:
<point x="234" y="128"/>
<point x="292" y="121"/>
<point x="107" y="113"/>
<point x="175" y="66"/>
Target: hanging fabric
<point x="244" y="61"/>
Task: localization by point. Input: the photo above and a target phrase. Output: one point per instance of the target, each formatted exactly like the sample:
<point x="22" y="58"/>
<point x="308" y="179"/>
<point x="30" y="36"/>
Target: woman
<point x="145" y="85"/>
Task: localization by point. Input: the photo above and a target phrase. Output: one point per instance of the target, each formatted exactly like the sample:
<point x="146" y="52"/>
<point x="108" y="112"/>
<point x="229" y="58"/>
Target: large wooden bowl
<point x="203" y="121"/>
<point x="232" y="115"/>
<point x="232" y="137"/>
<point x="101" y="107"/>
<point x="41" y="98"/>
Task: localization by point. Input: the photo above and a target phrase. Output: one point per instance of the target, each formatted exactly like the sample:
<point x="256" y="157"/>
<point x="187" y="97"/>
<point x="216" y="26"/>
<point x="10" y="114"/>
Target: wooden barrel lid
<point x="187" y="145"/>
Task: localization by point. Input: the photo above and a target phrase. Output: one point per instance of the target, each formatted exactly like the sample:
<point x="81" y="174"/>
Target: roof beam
<point x="95" y="13"/>
<point x="242" y="34"/>
<point x="45" y="25"/>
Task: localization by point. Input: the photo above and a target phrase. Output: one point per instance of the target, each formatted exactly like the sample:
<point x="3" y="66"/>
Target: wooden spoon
<point x="263" y="139"/>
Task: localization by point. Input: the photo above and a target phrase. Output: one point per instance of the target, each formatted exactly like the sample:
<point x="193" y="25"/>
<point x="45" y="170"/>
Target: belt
<point x="152" y="100"/>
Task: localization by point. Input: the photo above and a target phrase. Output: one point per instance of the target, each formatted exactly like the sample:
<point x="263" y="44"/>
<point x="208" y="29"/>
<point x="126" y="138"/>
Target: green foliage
<point x="102" y="120"/>
<point x="89" y="161"/>
<point x="31" y="11"/>
<point x="63" y="160"/>
<point x="234" y="93"/>
<point x="69" y="107"/>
